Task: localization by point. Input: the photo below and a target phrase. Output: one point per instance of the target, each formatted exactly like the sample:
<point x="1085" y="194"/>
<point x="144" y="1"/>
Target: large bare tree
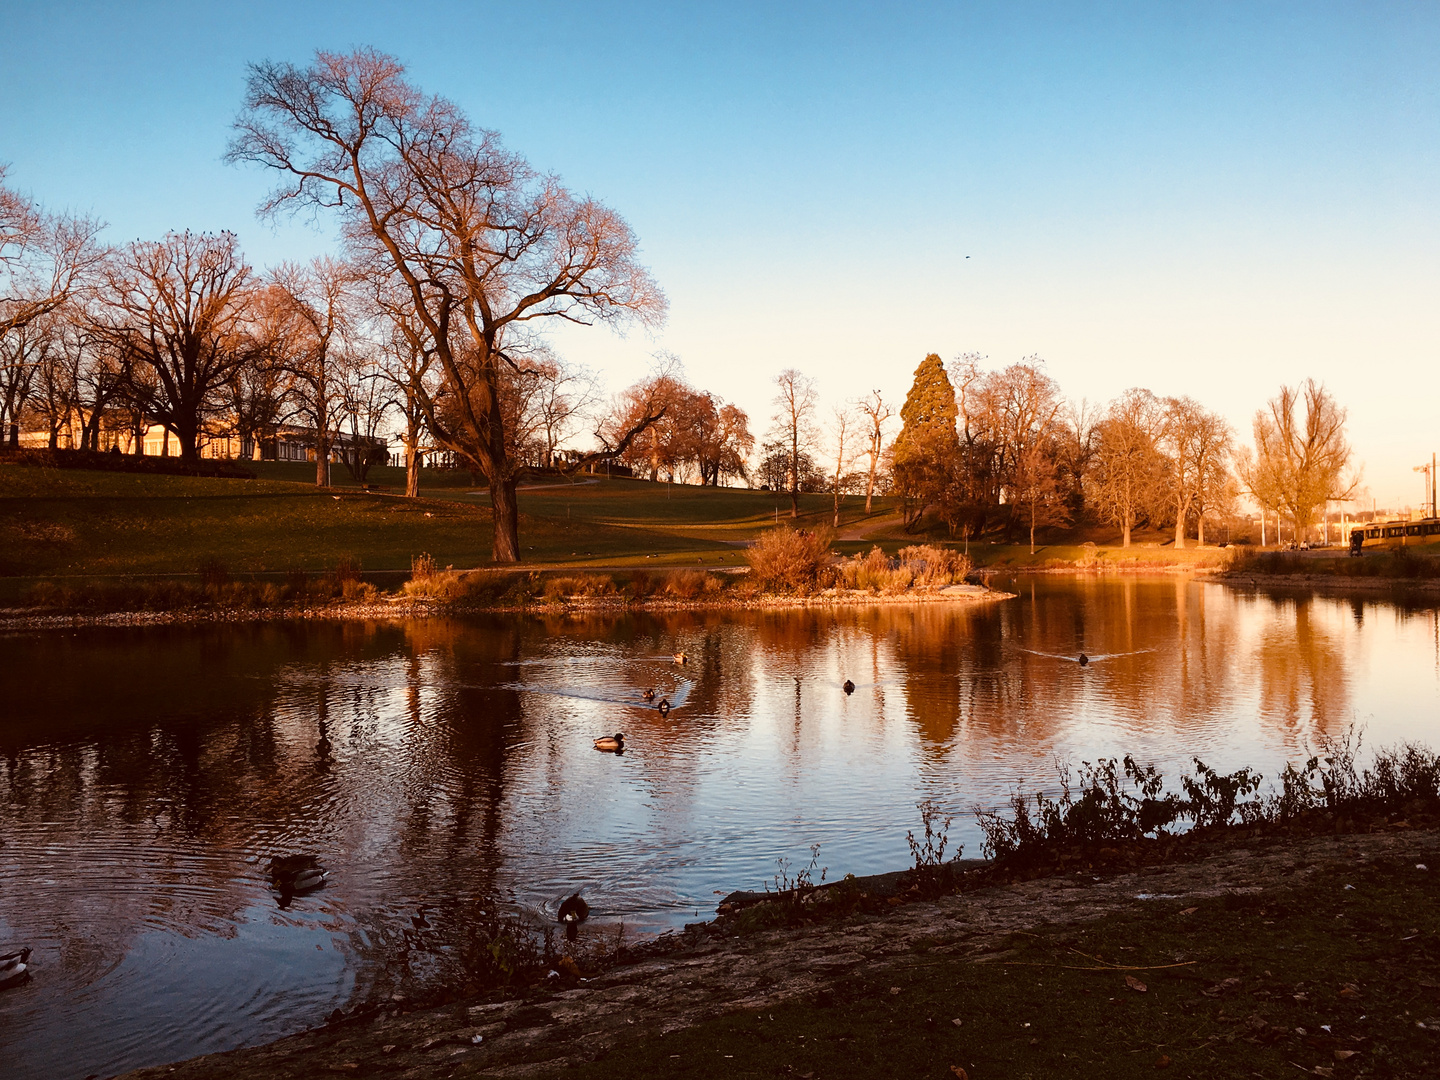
<point x="43" y="258"/>
<point x="310" y="310"/>
<point x="874" y="413"/>
<point x="1198" y="444"/>
<point x="485" y="249"/>
<point x="176" y="311"/>
<point x="1128" y="469"/>
<point x="793" y="425"/>
<point x="1300" y="461"/>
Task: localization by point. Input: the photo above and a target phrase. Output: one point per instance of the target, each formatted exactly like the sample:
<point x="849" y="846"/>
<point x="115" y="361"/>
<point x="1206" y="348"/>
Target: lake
<point x="440" y="768"/>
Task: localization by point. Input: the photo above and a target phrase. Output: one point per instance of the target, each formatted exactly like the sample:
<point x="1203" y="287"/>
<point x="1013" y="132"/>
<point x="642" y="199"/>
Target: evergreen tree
<point x="927" y="449"/>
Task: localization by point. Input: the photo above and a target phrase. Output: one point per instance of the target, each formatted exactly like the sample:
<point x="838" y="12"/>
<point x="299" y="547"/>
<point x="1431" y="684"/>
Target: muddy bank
<point x="687" y="983"/>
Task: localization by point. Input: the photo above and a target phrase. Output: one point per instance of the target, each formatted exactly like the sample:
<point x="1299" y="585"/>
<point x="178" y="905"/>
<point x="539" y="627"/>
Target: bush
<point x="688" y="584"/>
<point x="921" y="567"/>
<point x="791" y="560"/>
<point x="1104" y="808"/>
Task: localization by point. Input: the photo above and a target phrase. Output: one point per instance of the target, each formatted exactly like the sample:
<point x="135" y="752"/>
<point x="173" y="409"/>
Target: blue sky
<point x="1204" y="199"/>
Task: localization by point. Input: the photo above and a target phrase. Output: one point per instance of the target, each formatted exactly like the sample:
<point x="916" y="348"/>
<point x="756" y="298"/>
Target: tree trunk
<point x="1126" y="534"/>
<point x="1199" y="530"/>
<point x="322" y="462"/>
<point x="870" y="489"/>
<point x="507" y="522"/>
<point x="1180" y="530"/>
<point x="412" y="468"/>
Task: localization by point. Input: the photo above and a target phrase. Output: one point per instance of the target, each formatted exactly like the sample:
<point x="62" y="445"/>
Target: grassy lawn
<point x="74" y="523"/>
<point x="1327" y="980"/>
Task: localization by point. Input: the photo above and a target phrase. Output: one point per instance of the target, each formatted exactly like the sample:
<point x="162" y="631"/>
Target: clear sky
<point x="1206" y="199"/>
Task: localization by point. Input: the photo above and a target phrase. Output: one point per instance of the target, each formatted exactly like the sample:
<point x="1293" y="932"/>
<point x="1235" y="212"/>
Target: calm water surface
<point x="443" y="768"/>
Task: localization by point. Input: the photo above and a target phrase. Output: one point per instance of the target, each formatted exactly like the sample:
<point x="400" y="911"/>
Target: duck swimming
<point x="14" y="967"/>
<point x="1084" y="660"/>
<point x="612" y="744"/>
<point x="649" y="695"/>
<point x="681" y="657"/>
<point x="294" y="875"/>
<point x="663" y="706"/>
<point x="848" y="687"/>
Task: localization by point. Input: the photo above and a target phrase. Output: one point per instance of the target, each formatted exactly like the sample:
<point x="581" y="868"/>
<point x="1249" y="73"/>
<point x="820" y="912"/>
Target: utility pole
<point x="1429" y="471"/>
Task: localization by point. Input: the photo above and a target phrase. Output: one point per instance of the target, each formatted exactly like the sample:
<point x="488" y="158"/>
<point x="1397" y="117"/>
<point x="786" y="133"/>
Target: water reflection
<point x="437" y="769"/>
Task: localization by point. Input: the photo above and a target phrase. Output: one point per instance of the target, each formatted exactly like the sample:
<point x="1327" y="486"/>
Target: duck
<point x="663" y="706"/>
<point x="612" y="744"/>
<point x="14" y="967"/>
<point x="573" y="911"/>
<point x="681" y="657"/>
<point x="1084" y="660"/>
<point x="848" y="687"/>
<point x="649" y="695"/>
<point x="292" y="875"/>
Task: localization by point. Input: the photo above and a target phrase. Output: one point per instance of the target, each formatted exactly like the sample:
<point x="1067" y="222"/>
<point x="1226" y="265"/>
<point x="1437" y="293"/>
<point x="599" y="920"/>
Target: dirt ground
<point x="1300" y="929"/>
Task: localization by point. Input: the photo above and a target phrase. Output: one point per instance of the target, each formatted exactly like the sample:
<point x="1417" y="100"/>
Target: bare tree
<point x="43" y="258"/>
<point x="842" y="431"/>
<point x="484" y="247"/>
<point x="310" y="311"/>
<point x="175" y="309"/>
<point x="875" y="414"/>
<point x="793" y="424"/>
<point x="1128" y="466"/>
<point x="1300" y="461"/>
<point x="1198" y="442"/>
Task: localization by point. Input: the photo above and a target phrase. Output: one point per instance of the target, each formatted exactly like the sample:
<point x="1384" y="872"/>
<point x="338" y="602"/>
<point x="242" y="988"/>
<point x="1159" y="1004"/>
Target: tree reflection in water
<point x="443" y="768"/>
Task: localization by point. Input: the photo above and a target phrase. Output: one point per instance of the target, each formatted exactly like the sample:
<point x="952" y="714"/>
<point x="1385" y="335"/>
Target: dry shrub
<point x="790" y="560"/>
<point x="422" y="567"/>
<point x="688" y="584"/>
<point x="358" y="590"/>
<point x="347" y="569"/>
<point x="873" y="572"/>
<point x="642" y="584"/>
<point x="558" y="588"/>
<point x="935" y="568"/>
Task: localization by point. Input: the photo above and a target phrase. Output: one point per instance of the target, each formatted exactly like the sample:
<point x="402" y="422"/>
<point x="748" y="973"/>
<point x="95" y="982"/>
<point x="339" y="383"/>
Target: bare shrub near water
<point x="428" y="581"/>
<point x="1116" y="801"/>
<point x="921" y="567"/>
<point x="559" y="588"/>
<point x="791" y="560"/>
<point x="692" y="584"/>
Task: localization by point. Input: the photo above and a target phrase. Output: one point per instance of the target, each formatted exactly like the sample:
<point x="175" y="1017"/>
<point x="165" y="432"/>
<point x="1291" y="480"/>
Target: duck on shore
<point x="573" y="911"/>
<point x="14" y="967"/>
<point x="612" y="744"/>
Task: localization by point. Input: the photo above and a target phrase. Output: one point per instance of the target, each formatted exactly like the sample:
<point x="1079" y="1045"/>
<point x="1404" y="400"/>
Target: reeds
<point x="790" y="560"/>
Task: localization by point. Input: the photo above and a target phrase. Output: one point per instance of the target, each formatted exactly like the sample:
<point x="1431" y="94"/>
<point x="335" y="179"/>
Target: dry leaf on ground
<point x="1135" y="984"/>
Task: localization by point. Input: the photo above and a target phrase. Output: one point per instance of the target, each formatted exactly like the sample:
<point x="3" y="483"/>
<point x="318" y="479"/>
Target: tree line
<point x="457" y="254"/>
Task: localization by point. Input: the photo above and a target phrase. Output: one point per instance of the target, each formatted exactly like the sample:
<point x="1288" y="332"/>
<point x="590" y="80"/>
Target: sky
<point x="1204" y="199"/>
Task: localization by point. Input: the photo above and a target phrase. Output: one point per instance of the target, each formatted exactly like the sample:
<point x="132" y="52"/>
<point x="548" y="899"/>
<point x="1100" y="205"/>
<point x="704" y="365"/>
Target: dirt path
<point x="690" y="979"/>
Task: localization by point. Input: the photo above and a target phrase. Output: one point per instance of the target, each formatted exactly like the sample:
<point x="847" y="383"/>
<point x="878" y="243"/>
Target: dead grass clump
<point x="935" y="568"/>
<point x="428" y="581"/>
<point x="560" y="588"/>
<point x="873" y="572"/>
<point x="790" y="560"/>
<point x="686" y="584"/>
<point x="347" y="569"/>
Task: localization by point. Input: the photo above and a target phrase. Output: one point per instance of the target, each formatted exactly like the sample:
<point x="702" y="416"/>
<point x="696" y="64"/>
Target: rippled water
<point x="439" y="769"/>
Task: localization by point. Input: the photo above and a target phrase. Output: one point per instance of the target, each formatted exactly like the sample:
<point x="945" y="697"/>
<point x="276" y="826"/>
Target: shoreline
<point x="683" y="984"/>
<point x="399" y="607"/>
<point x="404" y="608"/>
